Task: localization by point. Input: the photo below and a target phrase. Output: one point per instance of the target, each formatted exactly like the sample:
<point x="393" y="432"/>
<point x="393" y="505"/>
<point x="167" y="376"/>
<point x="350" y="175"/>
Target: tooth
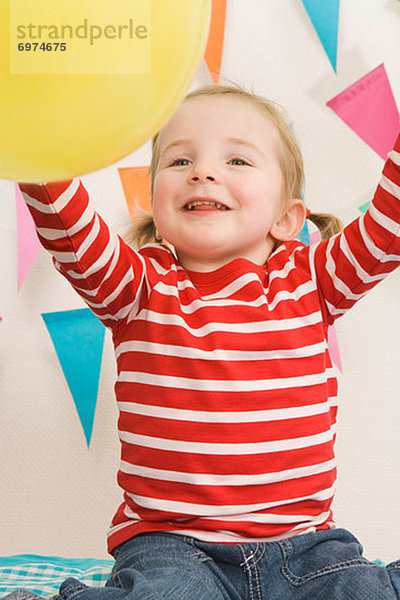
<point x="218" y="206"/>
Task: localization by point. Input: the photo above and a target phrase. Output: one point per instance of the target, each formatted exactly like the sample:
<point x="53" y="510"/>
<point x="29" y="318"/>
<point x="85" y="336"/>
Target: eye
<point x="180" y="162"/>
<point x="238" y="161"/>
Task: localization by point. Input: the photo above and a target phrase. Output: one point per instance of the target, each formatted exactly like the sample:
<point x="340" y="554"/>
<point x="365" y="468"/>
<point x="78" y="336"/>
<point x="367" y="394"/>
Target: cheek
<point x="158" y="186"/>
<point x="162" y="202"/>
<point x="264" y="196"/>
<point x="165" y="186"/>
<point x="160" y="191"/>
<point x="158" y="213"/>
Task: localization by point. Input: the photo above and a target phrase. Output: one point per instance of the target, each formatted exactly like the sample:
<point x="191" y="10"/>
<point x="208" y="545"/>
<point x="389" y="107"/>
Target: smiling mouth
<point x="205" y="205"/>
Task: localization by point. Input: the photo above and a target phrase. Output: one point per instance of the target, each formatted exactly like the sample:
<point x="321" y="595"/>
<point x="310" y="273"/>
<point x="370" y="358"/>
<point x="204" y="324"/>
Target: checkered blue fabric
<point x="43" y="575"/>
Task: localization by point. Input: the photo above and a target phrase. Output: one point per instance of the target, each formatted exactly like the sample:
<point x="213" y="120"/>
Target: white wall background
<point x="56" y="496"/>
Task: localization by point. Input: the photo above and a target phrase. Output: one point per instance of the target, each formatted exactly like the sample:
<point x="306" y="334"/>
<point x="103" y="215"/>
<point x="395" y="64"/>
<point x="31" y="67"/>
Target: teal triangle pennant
<point x="324" y="16"/>
<point x="364" y="207"/>
<point x="78" y="339"/>
<point x="304" y="235"/>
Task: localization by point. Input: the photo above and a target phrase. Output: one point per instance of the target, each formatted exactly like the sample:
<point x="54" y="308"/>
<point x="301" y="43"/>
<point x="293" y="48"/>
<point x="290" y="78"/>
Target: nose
<point x="196" y="178"/>
<point x="201" y="173"/>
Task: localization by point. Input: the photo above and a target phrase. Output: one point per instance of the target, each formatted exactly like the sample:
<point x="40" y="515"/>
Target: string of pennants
<point x="77" y="335"/>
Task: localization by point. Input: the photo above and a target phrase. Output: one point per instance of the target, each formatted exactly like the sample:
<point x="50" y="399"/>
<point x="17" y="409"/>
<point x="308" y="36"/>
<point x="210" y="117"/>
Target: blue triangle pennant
<point x="78" y="339"/>
<point x="324" y="16"/>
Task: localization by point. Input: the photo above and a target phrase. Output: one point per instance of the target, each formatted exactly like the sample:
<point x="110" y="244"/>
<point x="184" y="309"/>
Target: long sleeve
<point x="107" y="274"/>
<point x="351" y="263"/>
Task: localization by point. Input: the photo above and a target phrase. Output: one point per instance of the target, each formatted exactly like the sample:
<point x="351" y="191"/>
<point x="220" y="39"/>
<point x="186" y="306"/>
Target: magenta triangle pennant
<point x="28" y="241"/>
<point x="334" y="348"/>
<point x="368" y="107"/>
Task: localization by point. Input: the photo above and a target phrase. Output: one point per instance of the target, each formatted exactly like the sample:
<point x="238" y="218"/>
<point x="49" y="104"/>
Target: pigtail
<point x="142" y="231"/>
<point x="327" y="224"/>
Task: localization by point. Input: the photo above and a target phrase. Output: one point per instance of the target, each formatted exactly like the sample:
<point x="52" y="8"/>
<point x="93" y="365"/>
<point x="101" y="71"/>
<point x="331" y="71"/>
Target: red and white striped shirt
<point x="226" y="390"/>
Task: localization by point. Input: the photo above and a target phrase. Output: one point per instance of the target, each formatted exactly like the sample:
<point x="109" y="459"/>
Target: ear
<point x="290" y="222"/>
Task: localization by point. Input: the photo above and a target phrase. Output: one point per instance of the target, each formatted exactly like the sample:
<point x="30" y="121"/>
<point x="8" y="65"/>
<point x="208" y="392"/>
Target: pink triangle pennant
<point x="369" y="108"/>
<point x="28" y="241"/>
<point x="334" y="348"/>
<point x="315" y="237"/>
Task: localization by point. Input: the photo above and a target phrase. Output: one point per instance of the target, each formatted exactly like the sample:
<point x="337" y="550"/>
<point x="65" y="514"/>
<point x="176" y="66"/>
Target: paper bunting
<point x="364" y="207"/>
<point x="28" y="242"/>
<point x="304" y="235"/>
<point x="333" y="347"/>
<point x="78" y="339"/>
<point x="136" y="185"/>
<point x="315" y="237"/>
<point x="215" y="43"/>
<point x="324" y="16"/>
<point x="368" y="107"/>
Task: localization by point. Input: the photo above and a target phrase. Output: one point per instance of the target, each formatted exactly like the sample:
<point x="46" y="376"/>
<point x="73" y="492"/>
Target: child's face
<point x="217" y="189"/>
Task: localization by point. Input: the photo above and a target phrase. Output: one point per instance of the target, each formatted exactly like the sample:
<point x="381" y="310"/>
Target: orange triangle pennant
<point x="215" y="43"/>
<point x="136" y="185"/>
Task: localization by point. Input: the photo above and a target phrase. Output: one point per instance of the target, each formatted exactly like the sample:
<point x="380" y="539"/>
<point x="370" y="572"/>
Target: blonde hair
<point x="291" y="163"/>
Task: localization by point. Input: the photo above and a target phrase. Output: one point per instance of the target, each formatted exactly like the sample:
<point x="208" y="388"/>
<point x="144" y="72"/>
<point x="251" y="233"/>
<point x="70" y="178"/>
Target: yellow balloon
<point x="57" y="125"/>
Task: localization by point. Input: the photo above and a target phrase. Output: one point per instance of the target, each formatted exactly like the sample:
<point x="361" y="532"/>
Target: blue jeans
<point x="326" y="565"/>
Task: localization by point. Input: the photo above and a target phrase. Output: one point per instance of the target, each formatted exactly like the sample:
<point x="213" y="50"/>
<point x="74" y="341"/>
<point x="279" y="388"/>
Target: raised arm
<point x="107" y="274"/>
<point x="351" y="263"/>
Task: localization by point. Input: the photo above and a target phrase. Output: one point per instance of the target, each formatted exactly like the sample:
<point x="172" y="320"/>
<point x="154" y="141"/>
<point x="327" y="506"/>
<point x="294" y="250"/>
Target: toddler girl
<point x="226" y="392"/>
